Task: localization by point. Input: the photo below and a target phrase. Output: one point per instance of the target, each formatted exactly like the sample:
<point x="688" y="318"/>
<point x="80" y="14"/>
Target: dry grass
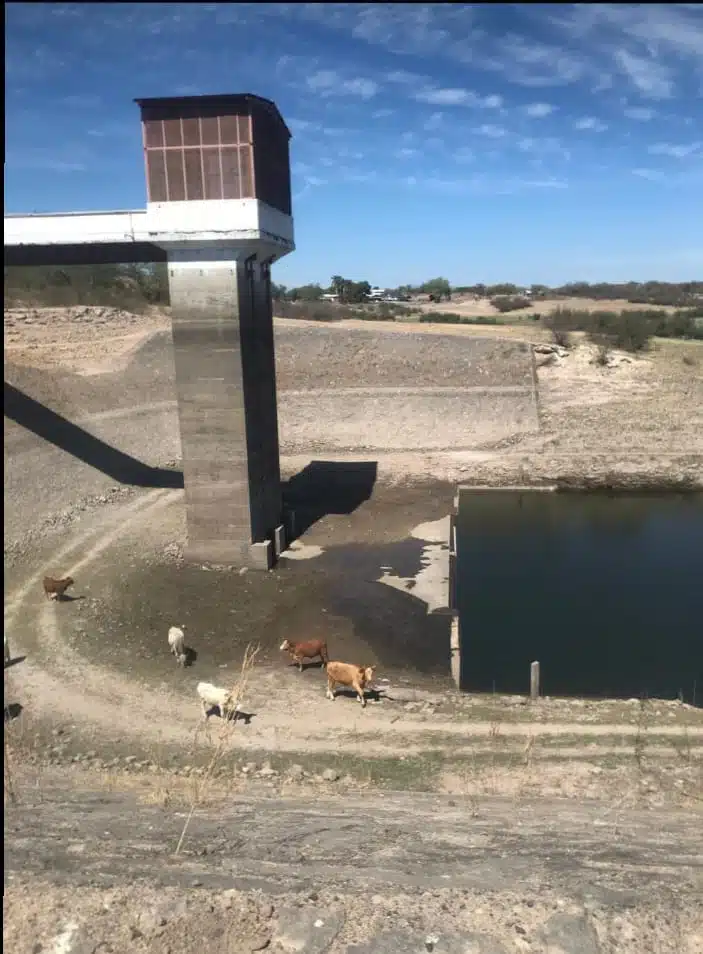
<point x="224" y="737"/>
<point x="9" y="791"/>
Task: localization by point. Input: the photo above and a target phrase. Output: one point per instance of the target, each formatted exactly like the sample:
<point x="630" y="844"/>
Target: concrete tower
<point x="218" y="184"/>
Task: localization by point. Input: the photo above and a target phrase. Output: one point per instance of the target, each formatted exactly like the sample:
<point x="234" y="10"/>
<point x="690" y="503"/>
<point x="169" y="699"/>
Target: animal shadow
<point x="191" y="656"/>
<point x="13" y="660"/>
<point x="372" y="695"/>
<point x="233" y="717"/>
<point x="13" y="711"/>
<point x="67" y="598"/>
<point x="308" y="665"/>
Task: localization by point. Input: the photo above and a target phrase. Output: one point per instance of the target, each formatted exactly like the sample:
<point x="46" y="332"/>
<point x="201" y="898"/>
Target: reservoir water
<point x="605" y="590"/>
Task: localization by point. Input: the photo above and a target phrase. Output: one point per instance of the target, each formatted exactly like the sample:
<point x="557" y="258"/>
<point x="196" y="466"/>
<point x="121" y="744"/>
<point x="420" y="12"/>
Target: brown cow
<point x="347" y="674"/>
<point x="305" y="650"/>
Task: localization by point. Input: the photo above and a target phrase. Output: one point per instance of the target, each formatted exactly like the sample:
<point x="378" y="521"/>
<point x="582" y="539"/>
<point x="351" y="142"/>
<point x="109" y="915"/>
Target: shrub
<point x="503" y="303"/>
<point x="561" y="337"/>
<point x="312" y="310"/>
<point x="602" y="355"/>
<point x="628" y="330"/>
<point x="451" y="318"/>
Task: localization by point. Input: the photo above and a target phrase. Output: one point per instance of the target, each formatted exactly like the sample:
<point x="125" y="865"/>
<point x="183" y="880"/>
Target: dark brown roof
<point x="201" y="103"/>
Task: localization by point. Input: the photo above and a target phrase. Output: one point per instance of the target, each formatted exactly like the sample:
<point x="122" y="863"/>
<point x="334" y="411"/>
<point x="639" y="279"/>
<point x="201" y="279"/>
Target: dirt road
<point x="396" y="869"/>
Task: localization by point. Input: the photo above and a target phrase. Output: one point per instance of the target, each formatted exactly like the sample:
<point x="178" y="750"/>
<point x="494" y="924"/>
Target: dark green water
<point x="606" y="591"/>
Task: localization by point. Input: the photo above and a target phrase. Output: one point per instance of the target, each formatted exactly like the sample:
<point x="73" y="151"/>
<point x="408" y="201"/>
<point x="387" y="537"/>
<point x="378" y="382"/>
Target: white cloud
<point x="405" y="78"/>
<point x="302" y="125"/>
<point x="444" y="97"/>
<point x="59" y="160"/>
<point x="365" y="88"/>
<point x="484" y="185"/>
<point x="675" y="151"/>
<point x="330" y="83"/>
<point x="673" y="27"/>
<point x="493" y="132"/>
<point x="674" y="177"/>
<point x="81" y="101"/>
<point x="455" y="96"/>
<point x="640" y="113"/>
<point x="381" y="113"/>
<point x="647" y="75"/>
<point x="544" y="146"/>
<point x="653" y="175"/>
<point x="539" y="110"/>
<point x="530" y="63"/>
<point x="433" y="122"/>
<point x="590" y="123"/>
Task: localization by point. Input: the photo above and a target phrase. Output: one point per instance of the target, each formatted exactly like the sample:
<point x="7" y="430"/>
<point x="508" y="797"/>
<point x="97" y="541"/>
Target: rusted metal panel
<point x="212" y="174"/>
<point x="229" y="130"/>
<point x="154" y="134"/>
<point x="173" y="134"/>
<point x="191" y="131"/>
<point x="246" y="172"/>
<point x="157" y="190"/>
<point x="194" y="174"/>
<point x="231" y="184"/>
<point x="175" y="175"/>
<point x="210" y="131"/>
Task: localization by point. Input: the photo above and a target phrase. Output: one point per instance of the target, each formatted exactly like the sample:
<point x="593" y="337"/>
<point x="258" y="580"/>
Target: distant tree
<point x="437" y="287"/>
<point x="306" y="293"/>
<point x="505" y="303"/>
<point x="506" y="288"/>
<point x="354" y="292"/>
<point x="278" y="292"/>
<point x="337" y="285"/>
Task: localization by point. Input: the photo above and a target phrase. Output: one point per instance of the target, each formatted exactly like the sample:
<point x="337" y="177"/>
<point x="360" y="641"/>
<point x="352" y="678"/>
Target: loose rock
<point x="307" y="930"/>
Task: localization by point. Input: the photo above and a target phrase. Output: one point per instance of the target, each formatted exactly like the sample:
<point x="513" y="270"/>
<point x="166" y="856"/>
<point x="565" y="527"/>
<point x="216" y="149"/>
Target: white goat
<point x="8" y="654"/>
<point x="213" y="696"/>
<point x="176" y="643"/>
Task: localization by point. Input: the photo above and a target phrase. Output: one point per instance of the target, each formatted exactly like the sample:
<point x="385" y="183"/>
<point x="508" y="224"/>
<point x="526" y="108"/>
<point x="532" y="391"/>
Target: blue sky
<point x="497" y="142"/>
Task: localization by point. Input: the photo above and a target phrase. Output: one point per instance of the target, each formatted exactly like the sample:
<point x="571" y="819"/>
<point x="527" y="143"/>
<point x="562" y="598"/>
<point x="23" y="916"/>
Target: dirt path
<point x="92" y="710"/>
<point x="330" y="875"/>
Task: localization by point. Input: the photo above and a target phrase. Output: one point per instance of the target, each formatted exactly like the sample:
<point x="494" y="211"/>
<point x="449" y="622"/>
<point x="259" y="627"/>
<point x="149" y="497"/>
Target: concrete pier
<point x="225" y="380"/>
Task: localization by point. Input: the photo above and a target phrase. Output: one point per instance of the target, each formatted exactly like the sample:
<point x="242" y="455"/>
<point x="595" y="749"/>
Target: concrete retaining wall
<point x="403" y="419"/>
<point x="339" y="389"/>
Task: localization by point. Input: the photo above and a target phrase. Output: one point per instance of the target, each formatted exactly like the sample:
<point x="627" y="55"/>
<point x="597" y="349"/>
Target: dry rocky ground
<point x="427" y="822"/>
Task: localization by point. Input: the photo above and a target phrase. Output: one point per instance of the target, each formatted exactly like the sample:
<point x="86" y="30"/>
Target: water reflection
<point x="604" y="589"/>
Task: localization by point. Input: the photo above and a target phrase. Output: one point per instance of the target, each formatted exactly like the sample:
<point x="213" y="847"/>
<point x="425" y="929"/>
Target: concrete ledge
<point x="513" y="489"/>
<point x="254" y="556"/>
